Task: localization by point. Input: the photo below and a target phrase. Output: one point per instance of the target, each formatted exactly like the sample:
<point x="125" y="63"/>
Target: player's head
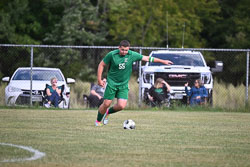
<point x="124" y="47"/>
<point x="124" y="43"/>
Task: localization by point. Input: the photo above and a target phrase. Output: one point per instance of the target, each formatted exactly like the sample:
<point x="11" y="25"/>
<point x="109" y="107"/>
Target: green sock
<point x="99" y="116"/>
<point x="111" y="110"/>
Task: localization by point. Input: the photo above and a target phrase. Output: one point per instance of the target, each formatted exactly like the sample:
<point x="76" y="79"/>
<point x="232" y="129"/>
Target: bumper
<point x="24" y="99"/>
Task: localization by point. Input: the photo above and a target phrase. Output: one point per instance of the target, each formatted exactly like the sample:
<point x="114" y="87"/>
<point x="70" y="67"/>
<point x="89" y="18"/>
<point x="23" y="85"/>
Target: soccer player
<point x="120" y="63"/>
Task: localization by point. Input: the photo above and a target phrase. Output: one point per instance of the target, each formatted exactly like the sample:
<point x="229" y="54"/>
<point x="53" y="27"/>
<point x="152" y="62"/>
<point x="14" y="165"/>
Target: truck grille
<point x="178" y="79"/>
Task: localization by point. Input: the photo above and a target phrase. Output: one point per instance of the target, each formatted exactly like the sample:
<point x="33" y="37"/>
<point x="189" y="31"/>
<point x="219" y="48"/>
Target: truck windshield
<point x="179" y="59"/>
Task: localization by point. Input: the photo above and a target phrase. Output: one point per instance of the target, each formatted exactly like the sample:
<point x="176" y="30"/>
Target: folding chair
<point x="46" y="97"/>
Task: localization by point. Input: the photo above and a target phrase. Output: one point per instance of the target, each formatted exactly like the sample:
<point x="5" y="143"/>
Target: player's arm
<point x="99" y="73"/>
<point x="156" y="60"/>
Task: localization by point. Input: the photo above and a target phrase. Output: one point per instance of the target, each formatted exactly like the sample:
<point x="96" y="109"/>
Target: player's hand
<point x="168" y="62"/>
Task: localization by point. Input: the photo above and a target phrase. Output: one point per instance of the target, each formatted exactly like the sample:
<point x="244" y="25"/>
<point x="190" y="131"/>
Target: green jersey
<point x="120" y="67"/>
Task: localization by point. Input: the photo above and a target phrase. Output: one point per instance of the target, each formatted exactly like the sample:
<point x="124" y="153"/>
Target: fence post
<point x="140" y="82"/>
<point x="31" y="74"/>
<point x="247" y="78"/>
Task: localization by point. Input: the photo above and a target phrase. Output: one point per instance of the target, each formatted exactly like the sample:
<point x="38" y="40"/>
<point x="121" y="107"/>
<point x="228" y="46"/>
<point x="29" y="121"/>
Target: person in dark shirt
<point x="159" y="92"/>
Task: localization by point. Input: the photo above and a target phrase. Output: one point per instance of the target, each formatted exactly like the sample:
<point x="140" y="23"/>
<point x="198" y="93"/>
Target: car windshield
<point x="184" y="59"/>
<point x="40" y="75"/>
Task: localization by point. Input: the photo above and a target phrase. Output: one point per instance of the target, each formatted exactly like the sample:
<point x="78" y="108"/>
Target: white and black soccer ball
<point x="129" y="124"/>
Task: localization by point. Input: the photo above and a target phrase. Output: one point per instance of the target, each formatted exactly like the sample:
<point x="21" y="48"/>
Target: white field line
<point x="37" y="154"/>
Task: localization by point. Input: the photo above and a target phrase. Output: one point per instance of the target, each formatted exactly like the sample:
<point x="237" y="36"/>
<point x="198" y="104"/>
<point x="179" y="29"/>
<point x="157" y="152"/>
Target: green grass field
<point x="161" y="138"/>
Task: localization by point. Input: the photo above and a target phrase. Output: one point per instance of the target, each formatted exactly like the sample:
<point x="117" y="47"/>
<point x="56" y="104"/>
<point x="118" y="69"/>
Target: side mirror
<point x="70" y="80"/>
<point x="218" y="67"/>
<point x="6" y="79"/>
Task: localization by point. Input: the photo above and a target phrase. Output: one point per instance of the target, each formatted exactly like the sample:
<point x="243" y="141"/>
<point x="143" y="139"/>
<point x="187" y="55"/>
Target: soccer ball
<point x="129" y="124"/>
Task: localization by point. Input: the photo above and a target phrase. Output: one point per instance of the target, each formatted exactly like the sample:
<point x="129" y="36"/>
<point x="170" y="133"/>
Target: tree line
<point x="154" y="23"/>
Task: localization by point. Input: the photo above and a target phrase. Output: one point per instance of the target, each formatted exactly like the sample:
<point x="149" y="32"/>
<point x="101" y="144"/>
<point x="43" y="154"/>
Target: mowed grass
<point x="161" y="138"/>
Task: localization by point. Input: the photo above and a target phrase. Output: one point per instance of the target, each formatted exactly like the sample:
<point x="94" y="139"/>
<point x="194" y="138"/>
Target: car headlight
<point x="206" y="78"/>
<point x="147" y="78"/>
<point x="13" y="89"/>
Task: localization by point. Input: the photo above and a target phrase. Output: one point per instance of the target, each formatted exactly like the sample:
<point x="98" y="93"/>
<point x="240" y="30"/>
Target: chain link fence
<point x="230" y="88"/>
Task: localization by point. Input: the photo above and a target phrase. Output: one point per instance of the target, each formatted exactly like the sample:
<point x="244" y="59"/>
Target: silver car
<point x="17" y="91"/>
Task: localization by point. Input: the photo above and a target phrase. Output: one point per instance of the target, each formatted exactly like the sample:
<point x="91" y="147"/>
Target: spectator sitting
<point x="198" y="93"/>
<point x="96" y="95"/>
<point x="53" y="92"/>
<point x="158" y="93"/>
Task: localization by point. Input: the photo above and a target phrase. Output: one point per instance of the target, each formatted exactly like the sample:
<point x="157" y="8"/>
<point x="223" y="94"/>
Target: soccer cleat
<point x="105" y="118"/>
<point x="97" y="123"/>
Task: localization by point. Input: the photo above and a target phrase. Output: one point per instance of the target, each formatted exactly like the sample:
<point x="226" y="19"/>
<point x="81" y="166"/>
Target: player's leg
<point x="102" y="110"/>
<point x="122" y="96"/>
<point x="104" y="106"/>
<point x="109" y="95"/>
<point x="120" y="105"/>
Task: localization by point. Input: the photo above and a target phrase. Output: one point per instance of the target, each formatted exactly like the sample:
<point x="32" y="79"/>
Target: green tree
<point x="26" y="21"/>
<point x="23" y="22"/>
<point x="240" y="34"/>
<point x="80" y="24"/>
<point x="232" y="27"/>
<point x="144" y="21"/>
<point x="232" y="31"/>
<point x="15" y="25"/>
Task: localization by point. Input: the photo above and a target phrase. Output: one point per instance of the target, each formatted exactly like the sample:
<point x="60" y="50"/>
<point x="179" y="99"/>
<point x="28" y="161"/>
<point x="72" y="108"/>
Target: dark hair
<point x="124" y="43"/>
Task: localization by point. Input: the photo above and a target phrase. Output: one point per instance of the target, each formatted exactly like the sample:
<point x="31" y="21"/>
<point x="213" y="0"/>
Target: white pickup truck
<point x="188" y="66"/>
